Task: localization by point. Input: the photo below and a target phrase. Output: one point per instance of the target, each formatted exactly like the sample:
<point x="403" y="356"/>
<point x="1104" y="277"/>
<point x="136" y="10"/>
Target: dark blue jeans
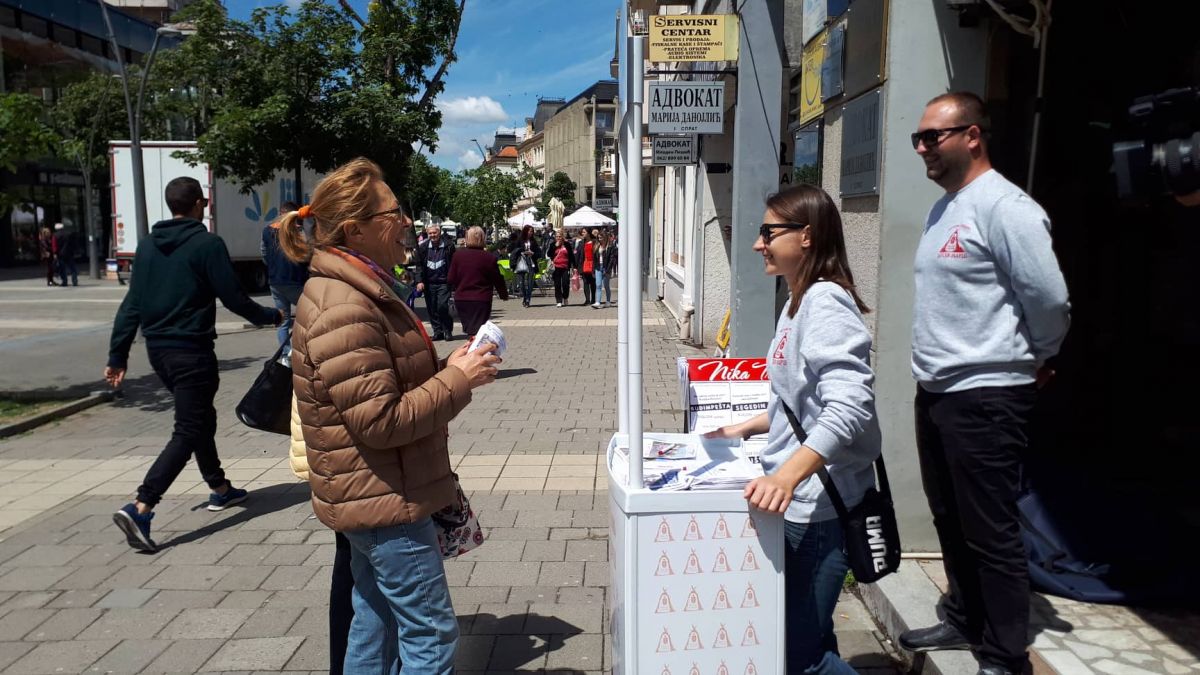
<point x="526" y="286"/>
<point x="814" y="570"/>
<point x="285" y="297"/>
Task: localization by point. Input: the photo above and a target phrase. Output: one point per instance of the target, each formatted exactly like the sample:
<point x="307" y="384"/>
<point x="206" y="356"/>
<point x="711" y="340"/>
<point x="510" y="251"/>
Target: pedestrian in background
<point x="474" y="276"/>
<point x="64" y="254"/>
<point x="285" y="277"/>
<point x="562" y="258"/>
<point x="819" y="365"/>
<point x="375" y="400"/>
<point x="181" y="270"/>
<point x="523" y="259"/>
<point x="577" y="264"/>
<point x="990" y="310"/>
<point x="606" y="266"/>
<point x="433" y="259"/>
<point x="587" y="267"/>
<point x="46" y="251"/>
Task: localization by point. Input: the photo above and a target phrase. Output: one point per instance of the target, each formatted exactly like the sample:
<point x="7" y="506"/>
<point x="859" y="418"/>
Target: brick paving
<point x="245" y="590"/>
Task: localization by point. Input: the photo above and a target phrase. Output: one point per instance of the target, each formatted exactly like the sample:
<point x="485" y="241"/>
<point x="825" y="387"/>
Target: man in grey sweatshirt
<point x="991" y="308"/>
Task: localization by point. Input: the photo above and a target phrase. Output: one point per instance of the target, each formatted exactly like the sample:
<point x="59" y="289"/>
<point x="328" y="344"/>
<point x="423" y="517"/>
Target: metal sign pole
<point x="633" y="305"/>
<point x="624" y="149"/>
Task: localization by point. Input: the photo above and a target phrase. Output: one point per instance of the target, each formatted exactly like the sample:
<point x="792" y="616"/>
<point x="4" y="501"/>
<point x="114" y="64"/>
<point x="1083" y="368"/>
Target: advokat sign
<point x="687" y="107"/>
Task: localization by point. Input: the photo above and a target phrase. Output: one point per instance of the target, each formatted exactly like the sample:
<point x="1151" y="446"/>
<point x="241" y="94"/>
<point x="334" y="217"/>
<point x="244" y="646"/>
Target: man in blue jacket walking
<point x="285" y="277"/>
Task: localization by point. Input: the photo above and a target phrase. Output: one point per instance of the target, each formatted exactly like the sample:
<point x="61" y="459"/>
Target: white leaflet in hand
<point x="490" y="333"/>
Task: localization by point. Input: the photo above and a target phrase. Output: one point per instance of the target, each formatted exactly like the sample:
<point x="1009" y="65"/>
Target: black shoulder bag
<point x="267" y="405"/>
<point x="872" y="538"/>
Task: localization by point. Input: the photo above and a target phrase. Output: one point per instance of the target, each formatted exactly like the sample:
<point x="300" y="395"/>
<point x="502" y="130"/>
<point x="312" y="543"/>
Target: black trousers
<point x="191" y="375"/>
<point x="341" y="611"/>
<point x="437" y="301"/>
<point x="970" y="445"/>
<point x="589" y="287"/>
<point x="562" y="285"/>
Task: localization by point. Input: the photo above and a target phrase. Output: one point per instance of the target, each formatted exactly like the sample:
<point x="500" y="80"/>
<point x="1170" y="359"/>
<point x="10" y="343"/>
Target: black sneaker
<point x="136" y="528"/>
<point x="939" y="637"/>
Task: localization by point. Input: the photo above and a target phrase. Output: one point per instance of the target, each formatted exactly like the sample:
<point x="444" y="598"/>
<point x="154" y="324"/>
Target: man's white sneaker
<point x="559" y="305"/>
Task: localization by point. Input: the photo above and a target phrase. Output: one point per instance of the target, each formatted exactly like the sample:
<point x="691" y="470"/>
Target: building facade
<point x="47" y="45"/>
<point x="580" y="141"/>
<point x="532" y="150"/>
<point x="831" y="96"/>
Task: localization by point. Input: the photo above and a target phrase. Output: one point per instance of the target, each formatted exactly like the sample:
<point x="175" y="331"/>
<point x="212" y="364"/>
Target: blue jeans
<point x="526" y="286"/>
<point x="602" y="284"/>
<point x="285" y="297"/>
<point x="400" y="590"/>
<point x="814" y="569"/>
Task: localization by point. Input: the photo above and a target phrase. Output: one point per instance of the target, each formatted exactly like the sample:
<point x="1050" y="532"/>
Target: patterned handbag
<point x="458" y="529"/>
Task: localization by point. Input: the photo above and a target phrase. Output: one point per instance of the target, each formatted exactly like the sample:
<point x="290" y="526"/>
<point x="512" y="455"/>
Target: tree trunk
<point x="299" y="185"/>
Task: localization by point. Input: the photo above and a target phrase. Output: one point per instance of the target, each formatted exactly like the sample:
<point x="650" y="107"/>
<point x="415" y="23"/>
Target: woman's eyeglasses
<point x="397" y="212"/>
<point x="767" y="235"/>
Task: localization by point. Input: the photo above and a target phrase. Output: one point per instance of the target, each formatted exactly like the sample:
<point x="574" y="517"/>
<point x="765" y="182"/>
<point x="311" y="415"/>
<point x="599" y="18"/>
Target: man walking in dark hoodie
<point x="180" y="271"/>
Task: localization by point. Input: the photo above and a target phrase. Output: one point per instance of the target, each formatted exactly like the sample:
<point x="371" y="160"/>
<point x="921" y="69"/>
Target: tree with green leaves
<point x="317" y="85"/>
<point x="428" y="188"/>
<point x="25" y="135"/>
<point x="560" y="185"/>
<point x="87" y="116"/>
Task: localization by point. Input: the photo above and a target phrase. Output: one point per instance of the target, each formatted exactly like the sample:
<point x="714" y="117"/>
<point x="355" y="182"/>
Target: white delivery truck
<point x="236" y="217"/>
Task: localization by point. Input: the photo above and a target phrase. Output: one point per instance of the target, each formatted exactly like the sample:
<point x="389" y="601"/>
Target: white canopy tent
<point x="527" y="217"/>
<point x="586" y="216"/>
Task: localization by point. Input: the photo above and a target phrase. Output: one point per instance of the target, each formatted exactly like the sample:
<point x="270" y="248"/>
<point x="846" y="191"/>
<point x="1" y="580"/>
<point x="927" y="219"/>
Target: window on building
<point x="34" y="25"/>
<point x="794" y="99"/>
<point x="604" y="120"/>
<point x="8" y="17"/>
<point x="65" y="36"/>
<point x="806" y="162"/>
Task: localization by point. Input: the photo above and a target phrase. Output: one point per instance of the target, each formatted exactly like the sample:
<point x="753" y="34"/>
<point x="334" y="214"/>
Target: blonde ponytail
<point x="292" y="241"/>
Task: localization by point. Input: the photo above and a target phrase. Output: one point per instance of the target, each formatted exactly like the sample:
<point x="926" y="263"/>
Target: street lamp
<point x="481" y="153"/>
<point x="135" y="114"/>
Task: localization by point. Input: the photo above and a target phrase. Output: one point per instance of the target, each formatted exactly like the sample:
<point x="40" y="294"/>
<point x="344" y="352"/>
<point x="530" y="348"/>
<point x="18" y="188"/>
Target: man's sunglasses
<point x="934" y="137"/>
<point x="765" y="230"/>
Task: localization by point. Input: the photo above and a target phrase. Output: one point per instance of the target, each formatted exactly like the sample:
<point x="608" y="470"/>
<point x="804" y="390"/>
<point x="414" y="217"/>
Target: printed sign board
<point x="602" y="203"/>
<point x="813" y="57"/>
<point x="673" y="150"/>
<point x="862" y="122"/>
<point x="719" y="392"/>
<point x="694" y="37"/>
<point x="686" y="107"/>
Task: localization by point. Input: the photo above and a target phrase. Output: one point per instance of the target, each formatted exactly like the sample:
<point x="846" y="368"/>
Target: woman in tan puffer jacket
<point x="374" y="402"/>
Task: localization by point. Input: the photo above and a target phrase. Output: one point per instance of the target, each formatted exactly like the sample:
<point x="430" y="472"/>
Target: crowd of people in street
<point x="373" y="398"/>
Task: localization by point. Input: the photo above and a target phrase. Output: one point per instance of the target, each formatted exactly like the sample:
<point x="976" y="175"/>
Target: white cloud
<point x="472" y="110"/>
<point x="469" y="159"/>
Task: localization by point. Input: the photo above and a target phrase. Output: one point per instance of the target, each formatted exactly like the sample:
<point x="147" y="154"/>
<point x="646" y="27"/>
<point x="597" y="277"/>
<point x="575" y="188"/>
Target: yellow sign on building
<point x="811" y="61"/>
<point x="694" y="37"/>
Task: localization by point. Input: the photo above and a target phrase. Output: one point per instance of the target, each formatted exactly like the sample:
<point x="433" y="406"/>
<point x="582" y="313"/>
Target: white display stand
<point x="698" y="586"/>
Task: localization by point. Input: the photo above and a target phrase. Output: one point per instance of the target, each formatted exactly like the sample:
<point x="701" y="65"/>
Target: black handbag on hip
<point x="872" y="539"/>
<point x="267" y="405"/>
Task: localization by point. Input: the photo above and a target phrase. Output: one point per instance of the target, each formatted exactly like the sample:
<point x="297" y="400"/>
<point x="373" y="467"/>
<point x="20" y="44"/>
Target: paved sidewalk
<point x="246" y="590"/>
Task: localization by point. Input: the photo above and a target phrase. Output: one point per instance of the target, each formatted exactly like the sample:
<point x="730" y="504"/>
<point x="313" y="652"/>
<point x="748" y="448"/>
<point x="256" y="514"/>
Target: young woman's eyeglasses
<point x="397" y="213"/>
<point x="766" y="233"/>
<point x="934" y="137"/>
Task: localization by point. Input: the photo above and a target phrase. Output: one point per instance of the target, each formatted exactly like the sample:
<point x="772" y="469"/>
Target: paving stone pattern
<point x="246" y="589"/>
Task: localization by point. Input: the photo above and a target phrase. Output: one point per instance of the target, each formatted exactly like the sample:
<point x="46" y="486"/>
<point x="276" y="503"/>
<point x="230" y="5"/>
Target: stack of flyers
<point x="652" y="449"/>
<point x="490" y="333"/>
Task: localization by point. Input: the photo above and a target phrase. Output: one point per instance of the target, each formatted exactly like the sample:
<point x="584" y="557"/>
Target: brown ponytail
<point x="340" y="199"/>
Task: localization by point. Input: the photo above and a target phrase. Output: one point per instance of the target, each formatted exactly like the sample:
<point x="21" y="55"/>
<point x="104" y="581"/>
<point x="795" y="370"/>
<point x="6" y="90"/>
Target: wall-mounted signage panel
<point x="686" y="107"/>
<point x="694" y="37"/>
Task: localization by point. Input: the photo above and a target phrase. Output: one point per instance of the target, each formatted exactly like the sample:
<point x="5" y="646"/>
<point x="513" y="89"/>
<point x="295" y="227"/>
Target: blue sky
<point x="510" y="52"/>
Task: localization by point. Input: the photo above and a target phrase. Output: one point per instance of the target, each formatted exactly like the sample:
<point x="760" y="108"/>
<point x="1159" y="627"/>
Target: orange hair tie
<point x="304" y="211"/>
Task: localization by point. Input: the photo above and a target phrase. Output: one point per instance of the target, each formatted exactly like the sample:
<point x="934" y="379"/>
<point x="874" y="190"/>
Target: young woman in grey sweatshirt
<point x="819" y="365"/>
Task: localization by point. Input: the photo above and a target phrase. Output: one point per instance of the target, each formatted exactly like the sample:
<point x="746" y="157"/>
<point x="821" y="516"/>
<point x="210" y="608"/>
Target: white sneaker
<point x="595" y="305"/>
<point x="559" y="305"/>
